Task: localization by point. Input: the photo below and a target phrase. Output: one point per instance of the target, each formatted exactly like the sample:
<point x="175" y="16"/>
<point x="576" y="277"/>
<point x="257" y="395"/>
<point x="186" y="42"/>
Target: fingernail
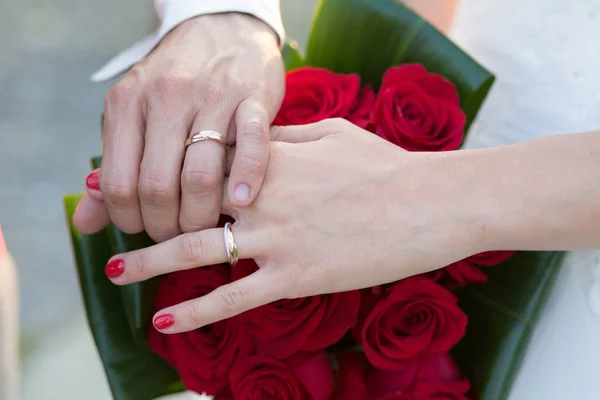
<point x="93" y="181"/>
<point x="115" y="268"/>
<point x="241" y="193"/>
<point x="163" y="321"/>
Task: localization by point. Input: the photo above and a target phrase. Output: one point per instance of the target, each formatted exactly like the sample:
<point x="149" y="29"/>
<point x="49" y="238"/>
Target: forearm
<point x="538" y="195"/>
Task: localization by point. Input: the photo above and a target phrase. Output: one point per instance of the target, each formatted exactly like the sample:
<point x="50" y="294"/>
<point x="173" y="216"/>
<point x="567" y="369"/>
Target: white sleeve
<point x="173" y="12"/>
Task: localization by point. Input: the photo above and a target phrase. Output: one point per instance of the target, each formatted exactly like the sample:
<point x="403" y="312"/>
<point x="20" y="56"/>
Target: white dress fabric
<point x="546" y="59"/>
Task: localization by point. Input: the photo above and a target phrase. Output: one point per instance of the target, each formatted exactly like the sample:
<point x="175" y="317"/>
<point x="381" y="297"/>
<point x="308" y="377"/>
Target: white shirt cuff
<point x="174" y="12"/>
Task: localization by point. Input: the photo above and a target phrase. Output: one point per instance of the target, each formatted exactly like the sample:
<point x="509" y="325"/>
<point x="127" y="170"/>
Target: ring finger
<point x="203" y="174"/>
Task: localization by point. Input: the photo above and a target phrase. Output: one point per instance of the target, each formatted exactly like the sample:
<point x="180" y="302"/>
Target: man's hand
<point x="219" y="72"/>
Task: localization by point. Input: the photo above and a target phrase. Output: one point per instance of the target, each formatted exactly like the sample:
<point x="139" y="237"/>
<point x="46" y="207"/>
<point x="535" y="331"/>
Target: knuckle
<point x="236" y="84"/>
<point x="194" y="315"/>
<point x="122" y="93"/>
<point x="191" y="248"/>
<point x="156" y="189"/>
<point x="118" y="192"/>
<point x="254" y="130"/>
<point x="231" y="299"/>
<point x="252" y="162"/>
<point x="187" y="227"/>
<point x="141" y="263"/>
<point x="201" y="179"/>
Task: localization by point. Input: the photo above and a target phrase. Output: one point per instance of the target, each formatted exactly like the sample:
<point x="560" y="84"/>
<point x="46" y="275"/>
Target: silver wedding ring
<point x="230" y="246"/>
<point x="206" y="135"/>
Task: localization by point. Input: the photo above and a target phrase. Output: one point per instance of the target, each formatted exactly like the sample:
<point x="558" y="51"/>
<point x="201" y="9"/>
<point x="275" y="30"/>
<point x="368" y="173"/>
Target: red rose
<point x="434" y="391"/>
<point x="287" y="326"/>
<point x="315" y="94"/>
<point x="361" y="116"/>
<point x="459" y="273"/>
<point x="352" y="370"/>
<point x="203" y="357"/>
<point x="418" y="110"/>
<point x="417" y="317"/>
<point x="432" y="377"/>
<point x="431" y="391"/>
<point x="467" y="272"/>
<point x="369" y="298"/>
<point x="260" y="377"/>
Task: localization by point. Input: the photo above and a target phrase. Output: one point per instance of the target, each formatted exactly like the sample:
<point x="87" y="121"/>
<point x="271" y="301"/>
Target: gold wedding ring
<point x="230" y="246"/>
<point x="206" y="135"/>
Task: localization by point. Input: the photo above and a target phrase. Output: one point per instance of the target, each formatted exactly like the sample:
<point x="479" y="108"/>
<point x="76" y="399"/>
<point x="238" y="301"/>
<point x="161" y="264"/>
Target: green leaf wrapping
<point x="133" y="372"/>
<point x="292" y="56"/>
<point x="502" y="314"/>
<point x="369" y="36"/>
<point x="138" y="298"/>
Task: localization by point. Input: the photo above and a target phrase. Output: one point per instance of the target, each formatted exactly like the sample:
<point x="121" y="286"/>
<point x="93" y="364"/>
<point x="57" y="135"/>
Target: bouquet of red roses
<point x="387" y="342"/>
<point x="405" y="340"/>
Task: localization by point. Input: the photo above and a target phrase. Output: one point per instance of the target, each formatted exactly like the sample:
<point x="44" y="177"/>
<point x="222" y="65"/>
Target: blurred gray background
<point x="49" y="127"/>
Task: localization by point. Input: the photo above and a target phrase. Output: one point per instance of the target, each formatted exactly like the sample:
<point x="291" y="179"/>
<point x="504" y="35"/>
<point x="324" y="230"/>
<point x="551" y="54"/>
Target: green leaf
<point x="369" y="36"/>
<point x="502" y="314"/>
<point x="133" y="372"/>
<point x="292" y="56"/>
<point x="138" y="298"/>
<point x="96" y="162"/>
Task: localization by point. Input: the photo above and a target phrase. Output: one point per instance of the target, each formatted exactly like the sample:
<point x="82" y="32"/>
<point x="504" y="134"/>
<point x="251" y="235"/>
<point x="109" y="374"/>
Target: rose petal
<point x="340" y="315"/>
<point x="388" y="347"/>
<point x="353" y="368"/>
<point x="316" y="375"/>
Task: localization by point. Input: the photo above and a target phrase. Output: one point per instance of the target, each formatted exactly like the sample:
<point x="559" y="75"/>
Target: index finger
<point x="189" y="250"/>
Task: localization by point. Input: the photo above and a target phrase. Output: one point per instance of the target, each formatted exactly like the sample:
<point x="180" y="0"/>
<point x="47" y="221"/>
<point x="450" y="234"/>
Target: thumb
<point x="252" y="152"/>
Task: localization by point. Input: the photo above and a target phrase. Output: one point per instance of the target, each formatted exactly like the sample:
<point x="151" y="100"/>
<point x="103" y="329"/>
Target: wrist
<point x="431" y="206"/>
<point x="238" y="27"/>
<point x="460" y="201"/>
<point x="486" y="197"/>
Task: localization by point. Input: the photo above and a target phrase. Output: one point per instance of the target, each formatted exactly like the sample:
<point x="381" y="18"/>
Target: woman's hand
<point x="219" y="72"/>
<point x="340" y="209"/>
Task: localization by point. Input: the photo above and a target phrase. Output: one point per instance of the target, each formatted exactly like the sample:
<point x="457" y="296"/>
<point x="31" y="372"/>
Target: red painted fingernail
<point x="163" y="321"/>
<point x="115" y="268"/>
<point x="93" y="181"/>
